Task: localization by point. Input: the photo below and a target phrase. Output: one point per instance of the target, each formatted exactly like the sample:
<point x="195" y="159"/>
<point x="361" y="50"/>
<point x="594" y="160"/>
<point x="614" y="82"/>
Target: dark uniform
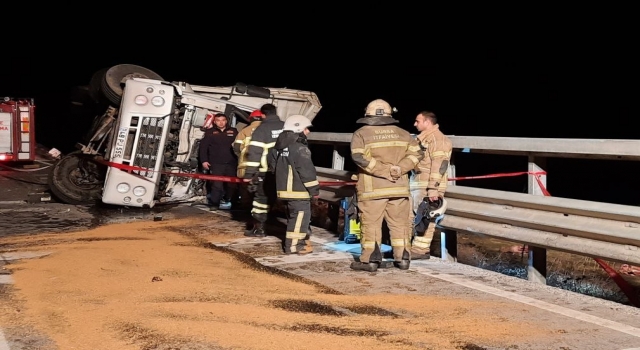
<point x="262" y="140"/>
<point x="296" y="185"/>
<point x="216" y="147"/>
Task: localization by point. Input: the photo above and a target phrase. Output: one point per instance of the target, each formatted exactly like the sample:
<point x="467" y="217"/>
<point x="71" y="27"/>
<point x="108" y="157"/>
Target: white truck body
<point x="147" y="127"/>
<point x="159" y="125"/>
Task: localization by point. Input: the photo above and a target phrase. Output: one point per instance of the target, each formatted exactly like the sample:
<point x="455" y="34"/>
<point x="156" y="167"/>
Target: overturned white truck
<point x="151" y="128"/>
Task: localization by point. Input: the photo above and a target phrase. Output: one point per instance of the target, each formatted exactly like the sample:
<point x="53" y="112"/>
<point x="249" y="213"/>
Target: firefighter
<point x="240" y="149"/>
<point x="430" y="177"/>
<point x="217" y="157"/>
<point x="261" y="181"/>
<point x="384" y="154"/>
<point x="296" y="182"/>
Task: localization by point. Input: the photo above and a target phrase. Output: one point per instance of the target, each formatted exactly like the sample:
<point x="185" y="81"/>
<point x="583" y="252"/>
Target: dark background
<point x="574" y="82"/>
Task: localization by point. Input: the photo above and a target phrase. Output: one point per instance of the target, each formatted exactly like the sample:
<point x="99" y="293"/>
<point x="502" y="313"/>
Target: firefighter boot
<point x="257" y="231"/>
<point x="362" y="266"/>
<point x="307" y="249"/>
<point x="420" y="256"/>
<point x="373" y="264"/>
<point x="404" y="263"/>
<point x="419" y="253"/>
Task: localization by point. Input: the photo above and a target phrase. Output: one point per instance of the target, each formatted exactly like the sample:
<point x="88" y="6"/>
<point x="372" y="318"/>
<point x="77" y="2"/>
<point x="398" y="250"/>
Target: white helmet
<point x="297" y="123"/>
<point x="437" y="207"/>
<point x="378" y="108"/>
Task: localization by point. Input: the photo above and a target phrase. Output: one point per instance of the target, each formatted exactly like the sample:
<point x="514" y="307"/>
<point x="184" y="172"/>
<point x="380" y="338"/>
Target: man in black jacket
<point x="296" y="182"/>
<point x="217" y="157"/>
<point x="261" y="180"/>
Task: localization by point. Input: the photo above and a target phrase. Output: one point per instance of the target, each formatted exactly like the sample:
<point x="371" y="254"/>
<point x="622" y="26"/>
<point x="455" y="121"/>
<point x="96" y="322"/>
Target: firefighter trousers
<point x="395" y="211"/>
<point x="246" y="197"/>
<point x="421" y="244"/>
<point x="298" y="221"/>
<point x="264" y="198"/>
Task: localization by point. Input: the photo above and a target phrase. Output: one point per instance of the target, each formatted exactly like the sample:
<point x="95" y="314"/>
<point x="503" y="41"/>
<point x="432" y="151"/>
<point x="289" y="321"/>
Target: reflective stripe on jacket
<point x="241" y="143"/>
<point x="375" y="149"/>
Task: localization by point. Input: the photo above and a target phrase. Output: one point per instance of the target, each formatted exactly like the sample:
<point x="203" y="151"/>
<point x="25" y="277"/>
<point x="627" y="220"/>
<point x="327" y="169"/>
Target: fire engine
<point x="143" y="146"/>
<point x="17" y="134"/>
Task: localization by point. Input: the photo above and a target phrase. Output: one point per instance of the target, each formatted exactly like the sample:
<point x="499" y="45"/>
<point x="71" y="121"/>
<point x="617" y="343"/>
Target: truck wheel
<point x="114" y="78"/>
<point x="95" y="86"/>
<point x="77" y="180"/>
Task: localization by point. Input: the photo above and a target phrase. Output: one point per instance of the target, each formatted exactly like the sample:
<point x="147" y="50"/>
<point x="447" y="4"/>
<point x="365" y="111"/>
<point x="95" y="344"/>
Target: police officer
<point x="296" y="182"/>
<point x="261" y="180"/>
<point x="430" y="177"/>
<point x="217" y="157"/>
<point x="384" y="154"/>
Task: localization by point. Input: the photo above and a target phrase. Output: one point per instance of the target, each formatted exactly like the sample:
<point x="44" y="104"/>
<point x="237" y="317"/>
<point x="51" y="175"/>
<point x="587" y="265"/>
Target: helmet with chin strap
<point x="297" y="123"/>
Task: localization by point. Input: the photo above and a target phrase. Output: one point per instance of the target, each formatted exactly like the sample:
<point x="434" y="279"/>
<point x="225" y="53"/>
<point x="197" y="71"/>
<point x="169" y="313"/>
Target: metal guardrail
<point x="543" y="147"/>
<point x="600" y="230"/>
<point x="587" y="228"/>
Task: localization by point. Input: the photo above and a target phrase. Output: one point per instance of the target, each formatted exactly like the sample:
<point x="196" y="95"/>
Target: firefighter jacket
<point x="295" y="173"/>
<point x="375" y="149"/>
<point x="240" y="145"/>
<point x="216" y="146"/>
<point x="263" y="138"/>
<point x="431" y="172"/>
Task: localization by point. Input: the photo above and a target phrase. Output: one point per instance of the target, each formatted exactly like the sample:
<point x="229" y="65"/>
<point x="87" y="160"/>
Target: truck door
<point x="6" y="137"/>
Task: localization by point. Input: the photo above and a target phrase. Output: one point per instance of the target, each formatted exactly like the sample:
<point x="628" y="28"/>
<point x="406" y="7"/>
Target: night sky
<point x="581" y="84"/>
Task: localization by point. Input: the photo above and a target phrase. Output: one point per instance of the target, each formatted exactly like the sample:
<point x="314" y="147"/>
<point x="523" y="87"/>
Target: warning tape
<point x="536" y="175"/>
<point x="201" y="176"/>
<point x="179" y="174"/>
<point x="234" y="179"/>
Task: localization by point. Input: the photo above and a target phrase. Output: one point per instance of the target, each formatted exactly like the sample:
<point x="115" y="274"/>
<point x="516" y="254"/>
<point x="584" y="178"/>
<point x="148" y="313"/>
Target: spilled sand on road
<point x="152" y="285"/>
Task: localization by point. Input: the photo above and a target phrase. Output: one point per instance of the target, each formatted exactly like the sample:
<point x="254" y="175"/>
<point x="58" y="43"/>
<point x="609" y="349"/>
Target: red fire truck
<point x="17" y="133"/>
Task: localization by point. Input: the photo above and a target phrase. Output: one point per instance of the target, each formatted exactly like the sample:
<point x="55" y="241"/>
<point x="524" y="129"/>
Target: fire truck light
<point x="3" y="157"/>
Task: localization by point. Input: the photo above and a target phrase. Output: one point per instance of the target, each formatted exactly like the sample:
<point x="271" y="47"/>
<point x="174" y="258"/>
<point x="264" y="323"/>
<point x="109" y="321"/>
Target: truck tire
<point x="77" y="180"/>
<point x="95" y="89"/>
<point x="113" y="80"/>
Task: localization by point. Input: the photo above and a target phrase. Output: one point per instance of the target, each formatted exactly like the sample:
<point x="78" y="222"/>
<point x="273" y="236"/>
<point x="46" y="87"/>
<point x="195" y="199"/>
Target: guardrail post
<point x="536" y="164"/>
<point x="338" y="159"/>
<point x="449" y="238"/>
<point x="448" y="245"/>
<point x="537" y="269"/>
<point x="451" y="173"/>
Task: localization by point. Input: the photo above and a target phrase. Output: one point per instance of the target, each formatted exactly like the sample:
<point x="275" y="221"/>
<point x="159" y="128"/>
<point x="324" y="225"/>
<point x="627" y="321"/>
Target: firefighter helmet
<point x="256" y="115"/>
<point x="297" y="123"/>
<point x="437" y="207"/>
<point x="378" y="108"/>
